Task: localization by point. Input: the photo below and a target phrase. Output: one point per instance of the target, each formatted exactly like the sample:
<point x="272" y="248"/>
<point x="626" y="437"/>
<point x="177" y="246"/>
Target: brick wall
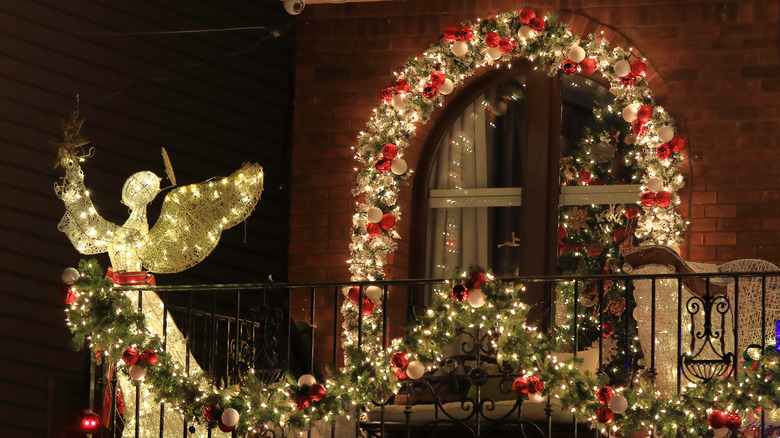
<point x="714" y="65"/>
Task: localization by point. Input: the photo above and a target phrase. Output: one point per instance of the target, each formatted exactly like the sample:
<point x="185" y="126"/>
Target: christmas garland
<point x="116" y="330"/>
<point x="632" y="130"/>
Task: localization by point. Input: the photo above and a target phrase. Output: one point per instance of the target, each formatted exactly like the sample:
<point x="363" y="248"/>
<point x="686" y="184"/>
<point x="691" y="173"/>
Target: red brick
<point x="703" y="225"/>
<point x="720" y="211"/>
<point x="738" y="224"/>
<point x="736" y="252"/>
<point x="702" y="253"/>
<point x="720" y="238"/>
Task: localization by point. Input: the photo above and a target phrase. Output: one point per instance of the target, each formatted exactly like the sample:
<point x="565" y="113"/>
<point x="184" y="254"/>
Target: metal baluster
<point x="164" y="349"/>
<point x="679" y="335"/>
<point x="360" y="344"/>
<point x="763" y="339"/>
<point x="335" y="342"/>
<point x="237" y="371"/>
<point x="576" y="341"/>
<point x="736" y="326"/>
<point x="652" y="330"/>
<point x="384" y="348"/>
<point x="188" y="347"/>
<point x="137" y="388"/>
<point x="312" y="296"/>
<point x="212" y="355"/>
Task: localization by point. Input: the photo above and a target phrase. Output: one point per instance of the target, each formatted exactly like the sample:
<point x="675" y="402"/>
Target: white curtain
<point x="458" y="236"/>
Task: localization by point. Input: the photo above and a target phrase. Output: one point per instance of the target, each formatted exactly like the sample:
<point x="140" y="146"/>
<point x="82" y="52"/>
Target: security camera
<point x="294" y="7"/>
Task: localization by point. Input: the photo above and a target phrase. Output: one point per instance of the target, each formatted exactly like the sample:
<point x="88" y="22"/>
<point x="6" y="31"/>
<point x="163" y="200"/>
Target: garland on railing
<point x="112" y="324"/>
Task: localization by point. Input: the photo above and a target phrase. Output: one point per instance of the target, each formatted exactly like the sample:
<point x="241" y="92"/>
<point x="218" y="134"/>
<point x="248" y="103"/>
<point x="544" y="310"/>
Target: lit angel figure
<point x="190" y="224"/>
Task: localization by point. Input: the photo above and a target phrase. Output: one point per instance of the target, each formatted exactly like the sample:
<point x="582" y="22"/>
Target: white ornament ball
<point x="399" y="102"/>
<point x="374" y="215"/>
<point x="306" y="380"/>
<point x="415" y="369"/>
<point x="525" y="32"/>
<point x="398" y="166"/>
<point x="720" y="432"/>
<point x="655" y="184"/>
<point x="230" y="417"/>
<point x="622" y="68"/>
<point x="476" y="298"/>
<point x="374" y="293"/>
<point x="666" y="133"/>
<point x="577" y="54"/>
<point x="460" y="48"/>
<point x="137" y="372"/>
<point x="629" y="113"/>
<point x="447" y="87"/>
<point x="70" y="275"/>
<point x="618" y="404"/>
<point x="495" y="52"/>
<point x="536" y="398"/>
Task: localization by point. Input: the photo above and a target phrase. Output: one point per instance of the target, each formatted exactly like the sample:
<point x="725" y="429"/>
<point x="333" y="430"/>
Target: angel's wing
<point x="193" y="217"/>
<point x="87" y="230"/>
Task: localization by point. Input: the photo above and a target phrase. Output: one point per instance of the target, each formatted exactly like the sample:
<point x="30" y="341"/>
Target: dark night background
<point x="213" y="100"/>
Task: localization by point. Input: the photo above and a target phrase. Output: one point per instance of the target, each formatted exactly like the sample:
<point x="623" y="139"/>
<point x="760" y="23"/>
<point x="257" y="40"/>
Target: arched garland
<point x="633" y="128"/>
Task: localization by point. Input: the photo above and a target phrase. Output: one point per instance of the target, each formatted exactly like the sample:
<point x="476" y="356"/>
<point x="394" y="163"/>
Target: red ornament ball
<point x="733" y="421"/>
<point x="386" y="94"/>
<point x="644" y="113"/>
<point x="492" y="39"/>
<point x="460" y="292"/>
<point x="584" y="176"/>
<point x="399" y="360"/>
<point x="302" y="401"/>
<point x="631" y="211"/>
<point x="465" y="34"/>
<point x="520" y="386"/>
<point x="535" y="385"/>
<point x="67" y="294"/>
<point x="130" y="356"/>
<point x="604" y="415"/>
<point x="507" y="45"/>
<point x="663" y="198"/>
<point x="608" y="330"/>
<point x="224" y="428"/>
<point x="450" y="34"/>
<point x="387" y="222"/>
<point x="677" y="144"/>
<point x="90" y="422"/>
<point x="212" y="413"/>
<point x="638" y="67"/>
<point x="638" y="128"/>
<point x="588" y="65"/>
<point x="354" y="294"/>
<point x="401" y="375"/>
<point x="569" y="67"/>
<point x="664" y="151"/>
<point x="647" y="199"/>
<point x="382" y="165"/>
<point x="148" y="357"/>
<point x="538" y="24"/>
<point x="368" y="307"/>
<point x="526" y="16"/>
<point x="438" y="78"/>
<point x="477" y="280"/>
<point x="389" y="151"/>
<point x="430" y="91"/>
<point x="628" y="80"/>
<point x="373" y="230"/>
<point x="316" y="392"/>
<point x="401" y="86"/>
<point x="717" y="419"/>
<point x="604" y="394"/>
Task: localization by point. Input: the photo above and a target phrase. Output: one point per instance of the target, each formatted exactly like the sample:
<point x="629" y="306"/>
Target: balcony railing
<point x="691" y="327"/>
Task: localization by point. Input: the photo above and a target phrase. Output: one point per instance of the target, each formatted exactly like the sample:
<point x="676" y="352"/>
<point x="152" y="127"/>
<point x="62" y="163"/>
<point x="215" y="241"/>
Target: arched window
<point x="488" y="190"/>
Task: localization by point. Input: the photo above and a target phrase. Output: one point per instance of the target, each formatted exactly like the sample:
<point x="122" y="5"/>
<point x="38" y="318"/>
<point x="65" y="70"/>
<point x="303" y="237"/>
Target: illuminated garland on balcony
<point x="111" y="323"/>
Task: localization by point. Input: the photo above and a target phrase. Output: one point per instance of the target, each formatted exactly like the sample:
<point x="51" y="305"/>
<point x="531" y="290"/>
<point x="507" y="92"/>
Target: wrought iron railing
<point x="275" y="328"/>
